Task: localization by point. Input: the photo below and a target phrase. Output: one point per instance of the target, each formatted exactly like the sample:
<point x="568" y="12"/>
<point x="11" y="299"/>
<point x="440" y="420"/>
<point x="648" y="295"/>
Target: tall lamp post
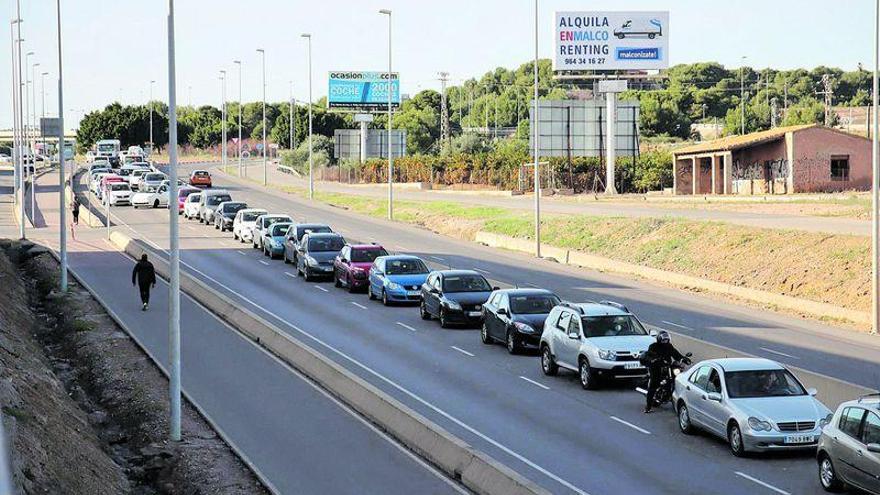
<point x="174" y="234"/>
<point x="263" y="57"/>
<point x="62" y="230"/>
<point x="875" y="181"/>
<point x="151" y="116"/>
<point x="223" y="116"/>
<point x="390" y="155"/>
<point x="290" y="119"/>
<point x="238" y="148"/>
<point x="535" y="131"/>
<point x="308" y="37"/>
<point x="742" y="96"/>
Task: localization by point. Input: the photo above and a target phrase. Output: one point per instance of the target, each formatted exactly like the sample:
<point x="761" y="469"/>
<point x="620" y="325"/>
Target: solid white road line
<point x="436" y="258"/>
<point x="676" y="325"/>
<point x="321" y="288"/>
<point x="358" y="305"/>
<point x="487" y="272"/>
<point x="241" y="253"/>
<point x="771" y="351"/>
<point x="765" y="485"/>
<point x="533" y="382"/>
<point x="459" y="349"/>
<point x="404" y="325"/>
<point x="264" y="262"/>
<point x="634" y="427"/>
<point x="291" y="275"/>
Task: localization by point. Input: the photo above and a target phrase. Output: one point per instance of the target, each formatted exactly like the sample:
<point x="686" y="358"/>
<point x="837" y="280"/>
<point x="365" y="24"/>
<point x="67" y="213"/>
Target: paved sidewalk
<point x="551" y="205"/>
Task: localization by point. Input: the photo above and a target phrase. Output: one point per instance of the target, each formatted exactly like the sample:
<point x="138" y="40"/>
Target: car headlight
<point x="394" y="286"/>
<point x="311" y="261"/>
<point x="606" y="354"/>
<point x="524" y="327"/>
<point x="759" y="425"/>
<point x="826" y="420"/>
<point x="453" y="305"/>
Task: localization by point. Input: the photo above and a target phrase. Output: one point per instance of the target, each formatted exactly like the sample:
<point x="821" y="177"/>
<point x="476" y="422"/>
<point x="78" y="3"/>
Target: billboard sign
<point x="611" y="41"/>
<point x="362" y="91"/>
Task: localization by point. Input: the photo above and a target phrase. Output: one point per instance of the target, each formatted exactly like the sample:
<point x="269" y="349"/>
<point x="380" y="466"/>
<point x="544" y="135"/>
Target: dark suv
<point x="455" y="297"/>
<point x="226" y="214"/>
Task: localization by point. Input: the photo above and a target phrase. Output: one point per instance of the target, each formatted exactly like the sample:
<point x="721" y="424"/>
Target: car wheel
<point x="349" y="284"/>
<point x="336" y="281"/>
<point x="370" y="294"/>
<point x="484" y="334"/>
<point x="385" y="300"/>
<point x="684" y="419"/>
<point x="512" y="345"/>
<point x="735" y="440"/>
<point x="548" y="365"/>
<point x="828" y="476"/>
<point x="444" y="323"/>
<point x="585" y="374"/>
<point x="216" y="227"/>
<point x="423" y="311"/>
<point x="156" y="203"/>
<point x="284" y="256"/>
<point x="306" y="275"/>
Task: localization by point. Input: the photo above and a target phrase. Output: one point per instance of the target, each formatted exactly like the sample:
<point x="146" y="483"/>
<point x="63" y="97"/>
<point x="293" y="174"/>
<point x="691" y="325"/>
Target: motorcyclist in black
<point x="660" y="354"/>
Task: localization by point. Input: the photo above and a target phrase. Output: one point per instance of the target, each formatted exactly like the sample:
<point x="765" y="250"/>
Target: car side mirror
<point x="495" y="288"/>
<point x="574" y="335"/>
<point x="713" y="396"/>
<point x="812" y="391"/>
<point x="873" y="447"/>
<point x="689" y="354"/>
<point x="653" y="333"/>
<point x="502" y="311"/>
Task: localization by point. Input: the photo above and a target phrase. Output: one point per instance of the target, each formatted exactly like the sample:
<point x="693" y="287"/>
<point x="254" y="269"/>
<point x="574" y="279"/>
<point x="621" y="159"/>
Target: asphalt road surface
<point x="549" y="429"/>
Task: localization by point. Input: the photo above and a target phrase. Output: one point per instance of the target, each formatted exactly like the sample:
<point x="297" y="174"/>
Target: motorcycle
<point x="668" y="372"/>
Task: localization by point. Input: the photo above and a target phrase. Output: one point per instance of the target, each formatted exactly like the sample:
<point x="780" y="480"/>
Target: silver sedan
<point x="757" y="405"/>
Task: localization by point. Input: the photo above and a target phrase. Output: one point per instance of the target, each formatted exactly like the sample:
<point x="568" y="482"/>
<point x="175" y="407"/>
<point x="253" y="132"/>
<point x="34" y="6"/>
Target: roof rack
<point x="616" y="305"/>
<point x="573" y="306"/>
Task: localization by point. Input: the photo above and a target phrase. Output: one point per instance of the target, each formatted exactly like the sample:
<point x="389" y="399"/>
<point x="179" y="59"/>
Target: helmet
<point x="663" y="337"/>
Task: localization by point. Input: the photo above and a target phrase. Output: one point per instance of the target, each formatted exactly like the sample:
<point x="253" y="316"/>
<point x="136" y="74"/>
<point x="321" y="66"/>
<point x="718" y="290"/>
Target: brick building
<point x="794" y="159"/>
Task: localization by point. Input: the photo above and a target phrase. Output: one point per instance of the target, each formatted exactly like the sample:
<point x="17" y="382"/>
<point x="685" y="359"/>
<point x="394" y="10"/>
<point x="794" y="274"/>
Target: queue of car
<point x="754" y="405"/>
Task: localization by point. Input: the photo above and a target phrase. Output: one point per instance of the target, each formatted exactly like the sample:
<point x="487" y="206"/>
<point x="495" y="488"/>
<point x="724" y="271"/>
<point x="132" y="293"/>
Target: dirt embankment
<point x="84" y="409"/>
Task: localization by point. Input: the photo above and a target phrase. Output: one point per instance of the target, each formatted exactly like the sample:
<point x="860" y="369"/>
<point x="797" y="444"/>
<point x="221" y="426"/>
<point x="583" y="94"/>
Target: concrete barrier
<point x="473" y="468"/>
<point x="600" y="263"/>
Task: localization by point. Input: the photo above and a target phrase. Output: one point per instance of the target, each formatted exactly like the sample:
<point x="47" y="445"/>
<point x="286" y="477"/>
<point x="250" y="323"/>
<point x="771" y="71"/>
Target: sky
<point x="114" y="48"/>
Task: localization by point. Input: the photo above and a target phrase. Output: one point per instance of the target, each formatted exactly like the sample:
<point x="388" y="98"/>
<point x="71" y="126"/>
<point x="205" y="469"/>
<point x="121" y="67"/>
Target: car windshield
<point x="119" y="187"/>
<point x="155" y="177"/>
<point x="200" y="173"/>
<point x="268" y="221"/>
<point x="106" y="147"/>
<point x="612" y="326"/>
<point x="216" y="199"/>
<point x="465" y="283"/>
<point x="405" y="267"/>
<point x="279" y="229"/>
<point x="315" y="229"/>
<point x="250" y="216"/>
<point x="533" y="304"/>
<point x="762" y="383"/>
<point x="194" y="198"/>
<point x="367" y="255"/>
<point x="184" y="193"/>
<point x="329" y="243"/>
<point x="234" y="207"/>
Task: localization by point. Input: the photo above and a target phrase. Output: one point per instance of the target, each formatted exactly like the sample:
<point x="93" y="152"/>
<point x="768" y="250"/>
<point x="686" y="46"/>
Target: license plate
<point x="632" y="366"/>
<point x="413" y="293"/>
<point x="474" y="313"/>
<point x="800" y="439"/>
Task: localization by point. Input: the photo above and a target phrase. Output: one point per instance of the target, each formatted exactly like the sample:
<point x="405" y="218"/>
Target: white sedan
<point x="243" y="224"/>
<point x="191" y="205"/>
<point x="117" y="193"/>
<point x="156" y="199"/>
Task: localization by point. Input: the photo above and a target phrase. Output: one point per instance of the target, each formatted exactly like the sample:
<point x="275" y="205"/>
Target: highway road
<point x="564" y="438"/>
<point x="299" y="438"/>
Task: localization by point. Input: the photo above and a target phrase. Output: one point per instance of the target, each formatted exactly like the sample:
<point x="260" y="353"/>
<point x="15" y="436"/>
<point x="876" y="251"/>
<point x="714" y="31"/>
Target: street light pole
<point x="263" y="56"/>
<point x="151" y="116"/>
<point x="34" y="139"/>
<point x="742" y="96"/>
<point x="308" y="37"/>
<point x="875" y="181"/>
<point x="174" y="234"/>
<point x="535" y="121"/>
<point x="62" y="228"/>
<point x="238" y="148"/>
<point x="290" y="119"/>
<point x="16" y="128"/>
<point x="223" y="115"/>
<point x="390" y="154"/>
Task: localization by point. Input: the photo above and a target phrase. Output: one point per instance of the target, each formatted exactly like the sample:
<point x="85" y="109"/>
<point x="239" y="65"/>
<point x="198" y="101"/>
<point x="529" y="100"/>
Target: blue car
<point x="397" y="278"/>
<point x="273" y="239"/>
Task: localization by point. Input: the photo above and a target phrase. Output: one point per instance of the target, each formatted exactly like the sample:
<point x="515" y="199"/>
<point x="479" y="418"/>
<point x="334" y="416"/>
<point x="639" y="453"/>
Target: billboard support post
<point x="611" y="146"/>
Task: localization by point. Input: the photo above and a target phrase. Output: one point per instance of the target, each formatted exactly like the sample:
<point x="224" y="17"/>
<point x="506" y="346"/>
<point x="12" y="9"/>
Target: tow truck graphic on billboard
<point x="611" y="41"/>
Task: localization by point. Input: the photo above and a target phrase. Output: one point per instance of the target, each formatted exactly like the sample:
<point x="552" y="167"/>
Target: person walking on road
<point x="74" y="207"/>
<point x="145" y="277"/>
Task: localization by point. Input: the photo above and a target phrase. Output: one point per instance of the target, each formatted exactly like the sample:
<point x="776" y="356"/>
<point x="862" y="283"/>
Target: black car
<point x="316" y="254"/>
<point x="294" y="237"/>
<point x="516" y="317"/>
<point x="226" y="214"/>
<point x="455" y="297"/>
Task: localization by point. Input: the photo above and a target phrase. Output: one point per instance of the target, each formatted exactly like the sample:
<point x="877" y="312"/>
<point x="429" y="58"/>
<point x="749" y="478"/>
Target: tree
<point x="661" y="115"/>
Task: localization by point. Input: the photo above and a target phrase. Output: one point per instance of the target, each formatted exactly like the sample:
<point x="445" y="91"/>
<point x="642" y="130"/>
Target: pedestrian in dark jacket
<point x="145" y="277"/>
<point x="660" y="354"/>
<point x="75" y="208"/>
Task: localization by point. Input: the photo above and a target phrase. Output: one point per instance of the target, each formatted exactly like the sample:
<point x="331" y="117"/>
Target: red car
<point x="200" y="178"/>
<point x="352" y="267"/>
<point x="182" y="194"/>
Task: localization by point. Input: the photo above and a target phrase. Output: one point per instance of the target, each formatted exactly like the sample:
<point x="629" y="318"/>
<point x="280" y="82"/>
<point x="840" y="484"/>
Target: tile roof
<point x="741" y="141"/>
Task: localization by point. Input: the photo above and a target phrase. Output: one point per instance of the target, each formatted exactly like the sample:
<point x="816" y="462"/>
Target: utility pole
<point x="174" y="234"/>
<point x="308" y="38"/>
<point x="535" y="121"/>
<point x="828" y="94"/>
<point x="742" y="96"/>
<point x="223" y="117"/>
<point x="151" y="116"/>
<point x="390" y="154"/>
<point x="238" y="148"/>
<point x="62" y="229"/>
<point x="263" y="55"/>
<point x="34" y="140"/>
<point x="444" y="116"/>
<point x="16" y="161"/>
<point x="773" y="112"/>
<point x="290" y="119"/>
<point x="785" y="101"/>
<point x="875" y="182"/>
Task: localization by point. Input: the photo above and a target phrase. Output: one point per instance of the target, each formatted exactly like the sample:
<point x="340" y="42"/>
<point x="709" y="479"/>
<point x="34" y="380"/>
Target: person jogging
<point x="145" y="277"/>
